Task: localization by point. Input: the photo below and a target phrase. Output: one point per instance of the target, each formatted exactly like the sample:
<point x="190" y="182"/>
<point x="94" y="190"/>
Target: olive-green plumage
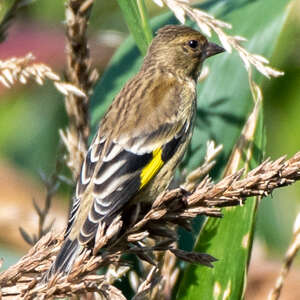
<point x="140" y="140"/>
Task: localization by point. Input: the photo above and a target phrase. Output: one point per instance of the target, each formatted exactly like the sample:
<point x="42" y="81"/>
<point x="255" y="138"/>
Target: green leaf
<point x="135" y="14"/>
<point x="230" y="239"/>
<point x="38" y="139"/>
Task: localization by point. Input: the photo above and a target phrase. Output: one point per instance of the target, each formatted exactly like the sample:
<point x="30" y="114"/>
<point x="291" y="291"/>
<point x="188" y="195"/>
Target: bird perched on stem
<point x="140" y="140"/>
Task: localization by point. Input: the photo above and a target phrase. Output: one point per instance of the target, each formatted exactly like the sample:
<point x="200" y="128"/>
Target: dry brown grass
<point x="149" y="234"/>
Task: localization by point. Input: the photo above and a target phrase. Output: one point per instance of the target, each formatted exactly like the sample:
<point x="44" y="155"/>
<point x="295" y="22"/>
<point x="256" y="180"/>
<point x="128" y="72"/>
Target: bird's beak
<point x="213" y="49"/>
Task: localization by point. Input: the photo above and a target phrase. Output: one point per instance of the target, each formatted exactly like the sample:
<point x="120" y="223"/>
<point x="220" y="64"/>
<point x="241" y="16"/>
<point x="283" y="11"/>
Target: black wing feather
<point x="105" y="207"/>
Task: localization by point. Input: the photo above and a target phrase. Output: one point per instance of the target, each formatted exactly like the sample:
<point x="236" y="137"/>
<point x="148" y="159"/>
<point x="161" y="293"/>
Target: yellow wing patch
<point x="152" y="167"/>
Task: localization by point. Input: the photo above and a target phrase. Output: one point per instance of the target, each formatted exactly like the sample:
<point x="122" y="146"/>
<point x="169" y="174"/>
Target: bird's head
<point x="181" y="49"/>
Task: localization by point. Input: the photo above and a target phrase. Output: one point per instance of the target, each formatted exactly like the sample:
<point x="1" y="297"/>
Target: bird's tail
<point x="65" y="259"/>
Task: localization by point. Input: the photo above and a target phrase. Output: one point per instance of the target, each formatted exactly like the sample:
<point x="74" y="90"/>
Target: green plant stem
<point x="137" y="19"/>
<point x="145" y="20"/>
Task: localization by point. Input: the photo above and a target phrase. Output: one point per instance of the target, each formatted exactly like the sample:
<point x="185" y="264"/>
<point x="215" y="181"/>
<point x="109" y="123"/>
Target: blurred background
<point x="31" y="115"/>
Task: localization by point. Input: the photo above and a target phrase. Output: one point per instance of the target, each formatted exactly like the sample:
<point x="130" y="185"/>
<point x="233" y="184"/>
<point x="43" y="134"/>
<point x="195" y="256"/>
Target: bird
<point x="140" y="140"/>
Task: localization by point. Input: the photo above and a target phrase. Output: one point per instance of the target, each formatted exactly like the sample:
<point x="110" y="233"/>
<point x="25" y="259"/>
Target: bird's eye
<point x="193" y="44"/>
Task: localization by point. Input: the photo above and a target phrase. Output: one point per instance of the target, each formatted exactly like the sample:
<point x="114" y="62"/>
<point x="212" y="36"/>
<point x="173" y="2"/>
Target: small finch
<point x="141" y="139"/>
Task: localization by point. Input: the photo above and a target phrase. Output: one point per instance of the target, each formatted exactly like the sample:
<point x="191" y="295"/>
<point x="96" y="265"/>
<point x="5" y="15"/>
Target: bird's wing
<point x="114" y="179"/>
<point x="122" y="173"/>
